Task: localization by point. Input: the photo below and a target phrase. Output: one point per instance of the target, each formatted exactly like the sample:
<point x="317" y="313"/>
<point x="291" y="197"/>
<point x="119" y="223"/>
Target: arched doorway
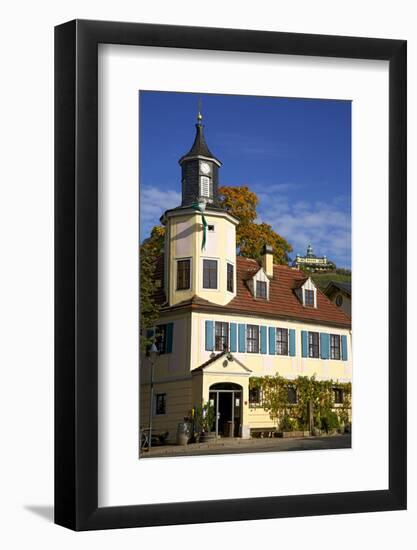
<point x="226" y="398"/>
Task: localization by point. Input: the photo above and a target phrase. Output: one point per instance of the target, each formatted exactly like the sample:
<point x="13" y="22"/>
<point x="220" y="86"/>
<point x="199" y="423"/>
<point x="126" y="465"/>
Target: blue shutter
<point x="233" y="337"/>
<point x="209" y="336"/>
<point x="304" y="343"/>
<point x="170" y="334"/>
<point x="324" y="345"/>
<point x="263" y="340"/>
<point x="291" y="338"/>
<point x="271" y="341"/>
<point x="242" y="338"/>
<point x="344" y="348"/>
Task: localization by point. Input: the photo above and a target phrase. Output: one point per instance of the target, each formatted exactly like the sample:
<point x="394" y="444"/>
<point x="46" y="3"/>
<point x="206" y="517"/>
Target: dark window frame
<point x="221" y="336"/>
<point x="338" y="396"/>
<point x="252" y="338"/>
<point x="160" y="404"/>
<point x="185" y="275"/>
<point x="313" y="345"/>
<point x="281" y="344"/>
<point x="258" y="401"/>
<point x="210" y="272"/>
<point x="292" y="397"/>
<point x="230" y="276"/>
<point x="264" y="294"/>
<point x="335" y="349"/>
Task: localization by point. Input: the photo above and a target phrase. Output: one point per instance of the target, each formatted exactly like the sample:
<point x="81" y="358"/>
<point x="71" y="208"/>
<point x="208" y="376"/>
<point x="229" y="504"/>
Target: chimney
<point x="268" y="260"/>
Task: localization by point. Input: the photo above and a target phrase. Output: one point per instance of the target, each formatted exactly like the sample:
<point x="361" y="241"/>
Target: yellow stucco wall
<point x="183" y="240"/>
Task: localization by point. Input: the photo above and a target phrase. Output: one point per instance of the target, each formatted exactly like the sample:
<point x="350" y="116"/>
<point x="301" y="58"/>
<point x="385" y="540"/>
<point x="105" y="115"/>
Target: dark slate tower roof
<point x="200" y="171"/>
<point x="199" y="147"/>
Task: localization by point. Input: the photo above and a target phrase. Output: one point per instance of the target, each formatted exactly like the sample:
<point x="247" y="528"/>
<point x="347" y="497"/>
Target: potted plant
<point x="204" y="416"/>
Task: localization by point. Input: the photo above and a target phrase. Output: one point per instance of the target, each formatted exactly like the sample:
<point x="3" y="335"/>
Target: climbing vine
<point x="291" y="402"/>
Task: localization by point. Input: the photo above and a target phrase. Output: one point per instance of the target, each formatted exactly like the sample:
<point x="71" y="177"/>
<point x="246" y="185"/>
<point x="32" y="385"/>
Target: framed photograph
<point x="230" y="275"/>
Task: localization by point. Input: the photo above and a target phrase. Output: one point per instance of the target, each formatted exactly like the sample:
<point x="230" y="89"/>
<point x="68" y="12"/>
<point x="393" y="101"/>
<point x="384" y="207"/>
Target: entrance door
<point x="226" y="399"/>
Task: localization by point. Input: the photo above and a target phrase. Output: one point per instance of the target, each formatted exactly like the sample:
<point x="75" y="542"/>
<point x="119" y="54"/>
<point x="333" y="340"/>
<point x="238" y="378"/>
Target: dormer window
<point x="261" y="290"/>
<point x="306" y="292"/>
<point x="258" y="284"/>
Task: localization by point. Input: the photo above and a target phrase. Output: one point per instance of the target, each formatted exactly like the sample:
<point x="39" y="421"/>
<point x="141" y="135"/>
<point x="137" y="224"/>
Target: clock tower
<point x="200" y="171"/>
<point x="200" y="236"/>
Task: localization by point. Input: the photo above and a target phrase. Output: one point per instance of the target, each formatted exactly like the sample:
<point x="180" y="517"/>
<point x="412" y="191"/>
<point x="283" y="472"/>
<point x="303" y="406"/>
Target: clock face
<point x="205" y="168"/>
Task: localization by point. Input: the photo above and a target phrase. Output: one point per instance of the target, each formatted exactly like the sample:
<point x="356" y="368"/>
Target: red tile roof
<point x="282" y="303"/>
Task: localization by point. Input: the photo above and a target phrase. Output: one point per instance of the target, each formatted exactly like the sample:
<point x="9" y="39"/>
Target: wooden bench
<point x="263" y="432"/>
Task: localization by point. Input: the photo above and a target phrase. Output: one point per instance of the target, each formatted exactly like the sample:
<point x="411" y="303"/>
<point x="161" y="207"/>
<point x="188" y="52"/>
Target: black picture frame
<point x="76" y="271"/>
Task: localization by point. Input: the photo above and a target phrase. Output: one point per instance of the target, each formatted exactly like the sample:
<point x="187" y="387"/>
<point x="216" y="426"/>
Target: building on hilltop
<point x="225" y="318"/>
<point x="311" y="262"/>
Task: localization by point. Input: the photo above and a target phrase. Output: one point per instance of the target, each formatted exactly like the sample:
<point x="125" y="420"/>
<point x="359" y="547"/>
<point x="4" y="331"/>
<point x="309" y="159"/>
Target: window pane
<point x="160" y="403"/>
<point x="309" y="297"/>
<point x="334" y="346"/>
<point x="282" y="341"/>
<point x="313" y="344"/>
<point x="209" y="273"/>
<point x="230" y="277"/>
<point x="160" y="338"/>
<point x="252" y="338"/>
<point x="222" y="336"/>
<point x="260" y="289"/>
<point x="183" y="274"/>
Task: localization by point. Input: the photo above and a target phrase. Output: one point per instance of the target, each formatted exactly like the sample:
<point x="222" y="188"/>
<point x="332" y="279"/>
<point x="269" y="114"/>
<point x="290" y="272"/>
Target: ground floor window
<point x="160" y="403"/>
<point x="255" y="397"/>
<point x="221" y="336"/>
<point x="291" y="395"/>
<point x="338" y="396"/>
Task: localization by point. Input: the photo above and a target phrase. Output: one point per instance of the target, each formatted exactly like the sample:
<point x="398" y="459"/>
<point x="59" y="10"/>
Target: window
<point x="334" y="346"/>
<point x="209" y="273"/>
<point x="261" y="289"/>
<point x="160" y="403"/>
<point x="309" y="297"/>
<point x="313" y="344"/>
<point x="291" y="395"/>
<point x="183" y="274"/>
<point x="338" y="396"/>
<point x="339" y="300"/>
<point x="230" y="277"/>
<point x="221" y="336"/>
<point x="252" y="338"/>
<point x="282" y="341"/>
<point x="255" y="397"/>
<point x="205" y="186"/>
<point x="161" y="338"/>
<point x="210" y="228"/>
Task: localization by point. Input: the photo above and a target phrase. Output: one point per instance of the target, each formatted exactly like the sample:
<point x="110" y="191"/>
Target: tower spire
<point x="199" y="114"/>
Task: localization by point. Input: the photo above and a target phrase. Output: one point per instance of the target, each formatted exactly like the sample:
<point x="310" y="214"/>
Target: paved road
<point x="254" y="446"/>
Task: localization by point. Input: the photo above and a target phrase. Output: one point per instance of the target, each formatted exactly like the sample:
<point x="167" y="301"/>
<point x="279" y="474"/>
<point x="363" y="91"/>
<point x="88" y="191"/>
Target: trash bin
<point x="184" y="431"/>
<point x="230" y="429"/>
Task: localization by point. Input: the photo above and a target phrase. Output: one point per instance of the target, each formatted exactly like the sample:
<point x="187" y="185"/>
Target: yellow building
<point x="225" y="318"/>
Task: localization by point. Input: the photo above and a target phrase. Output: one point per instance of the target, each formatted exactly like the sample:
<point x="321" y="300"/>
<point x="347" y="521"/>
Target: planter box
<point x="293" y="434"/>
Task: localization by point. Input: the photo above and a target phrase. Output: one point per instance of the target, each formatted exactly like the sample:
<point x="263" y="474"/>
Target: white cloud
<point x="326" y="225"/>
<point x="153" y="203"/>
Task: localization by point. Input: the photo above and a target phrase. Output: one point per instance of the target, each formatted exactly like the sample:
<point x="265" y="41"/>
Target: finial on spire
<point x="199" y="115"/>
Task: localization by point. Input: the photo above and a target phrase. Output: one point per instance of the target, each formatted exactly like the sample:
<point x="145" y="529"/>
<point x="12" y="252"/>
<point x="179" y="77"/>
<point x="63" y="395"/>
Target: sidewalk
<point x="238" y="445"/>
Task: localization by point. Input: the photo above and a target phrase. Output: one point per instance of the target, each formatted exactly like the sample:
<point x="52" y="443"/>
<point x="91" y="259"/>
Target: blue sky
<point x="294" y="153"/>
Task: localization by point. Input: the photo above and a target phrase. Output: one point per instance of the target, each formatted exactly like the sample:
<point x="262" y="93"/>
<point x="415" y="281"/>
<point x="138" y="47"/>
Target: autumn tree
<point x="251" y="236"/>
<point x="150" y="250"/>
